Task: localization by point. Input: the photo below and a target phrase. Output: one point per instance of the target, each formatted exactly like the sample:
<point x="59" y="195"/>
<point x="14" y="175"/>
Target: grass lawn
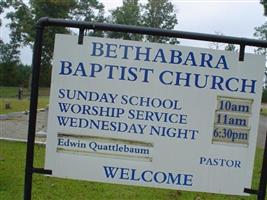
<point x="9" y="95"/>
<point x="20" y="105"/>
<point x="12" y="92"/>
<point x="264" y="111"/>
<point x="23" y="105"/>
<point x="12" y="162"/>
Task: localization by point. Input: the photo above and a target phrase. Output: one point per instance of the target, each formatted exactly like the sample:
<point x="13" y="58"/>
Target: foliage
<point x="25" y="15"/>
<point x="85" y="10"/>
<point x="14" y="74"/>
<point x="155" y="14"/>
<point x="12" y="162"/>
<point x="24" y="18"/>
<point x="160" y="14"/>
<point x="8" y="53"/>
<point x="90" y="11"/>
<point x="230" y="47"/>
<point x="3" y="4"/>
<point x="264" y="96"/>
<point x="129" y="13"/>
<point x="261" y="33"/>
<point x="12" y="71"/>
<point x="264" y="3"/>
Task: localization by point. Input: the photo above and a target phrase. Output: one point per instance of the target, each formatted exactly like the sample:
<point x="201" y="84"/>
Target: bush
<point x="14" y="74"/>
<point x="264" y="96"/>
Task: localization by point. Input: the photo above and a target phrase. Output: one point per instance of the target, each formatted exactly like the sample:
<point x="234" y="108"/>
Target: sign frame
<point x="82" y="26"/>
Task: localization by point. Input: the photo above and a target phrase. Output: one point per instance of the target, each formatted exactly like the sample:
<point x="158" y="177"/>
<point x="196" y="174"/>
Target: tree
<point x="25" y="16"/>
<point x="12" y="72"/>
<point x="261" y="33"/>
<point x="155" y="14"/>
<point x="129" y="13"/>
<point x="23" y="20"/>
<point x="3" y="5"/>
<point x="8" y="62"/>
<point x="160" y="14"/>
<point x="230" y="47"/>
<point x="90" y="11"/>
<point x="8" y="53"/>
<point x="264" y="3"/>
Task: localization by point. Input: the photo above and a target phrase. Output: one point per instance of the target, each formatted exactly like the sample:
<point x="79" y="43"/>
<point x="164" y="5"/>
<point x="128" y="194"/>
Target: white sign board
<point x="155" y="115"/>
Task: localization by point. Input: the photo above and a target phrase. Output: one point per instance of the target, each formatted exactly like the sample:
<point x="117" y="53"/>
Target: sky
<point x="228" y="17"/>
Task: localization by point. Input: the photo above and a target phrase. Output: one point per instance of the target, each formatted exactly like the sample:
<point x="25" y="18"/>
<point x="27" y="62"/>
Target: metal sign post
<point x="263" y="179"/>
<point x="43" y="22"/>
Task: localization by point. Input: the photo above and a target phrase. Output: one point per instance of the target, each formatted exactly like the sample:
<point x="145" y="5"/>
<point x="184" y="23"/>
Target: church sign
<point x="154" y="115"/>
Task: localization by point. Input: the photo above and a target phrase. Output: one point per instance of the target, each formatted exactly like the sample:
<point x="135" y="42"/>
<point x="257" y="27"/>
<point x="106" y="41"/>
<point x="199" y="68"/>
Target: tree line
<point x="24" y="15"/>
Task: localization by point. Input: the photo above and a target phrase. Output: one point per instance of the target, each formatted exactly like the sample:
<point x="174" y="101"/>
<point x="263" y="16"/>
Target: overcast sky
<point x="229" y="17"/>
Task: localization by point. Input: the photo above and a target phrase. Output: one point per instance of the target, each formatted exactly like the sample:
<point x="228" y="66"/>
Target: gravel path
<point x="15" y="126"/>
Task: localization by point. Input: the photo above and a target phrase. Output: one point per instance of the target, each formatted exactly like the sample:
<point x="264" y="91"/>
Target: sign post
<point x="150" y="114"/>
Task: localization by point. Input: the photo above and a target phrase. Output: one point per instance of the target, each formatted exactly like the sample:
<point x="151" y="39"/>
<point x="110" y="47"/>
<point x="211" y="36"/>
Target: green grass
<point x="20" y="105"/>
<point x="12" y="161"/>
<point x="12" y="92"/>
<point x="264" y="111"/>
<point x="8" y="95"/>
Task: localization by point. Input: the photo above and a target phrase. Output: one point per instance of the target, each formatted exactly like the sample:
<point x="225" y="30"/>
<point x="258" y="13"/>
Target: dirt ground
<point x="15" y="125"/>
